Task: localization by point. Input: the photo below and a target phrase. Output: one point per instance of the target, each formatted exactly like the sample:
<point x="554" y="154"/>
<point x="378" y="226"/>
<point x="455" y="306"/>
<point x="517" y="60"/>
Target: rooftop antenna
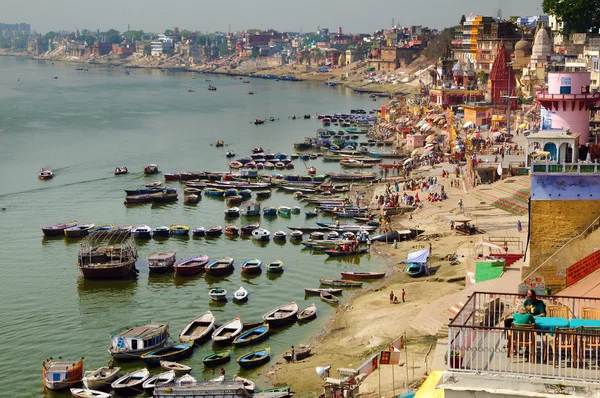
<point x="393" y="23"/>
<point x="229" y="28"/>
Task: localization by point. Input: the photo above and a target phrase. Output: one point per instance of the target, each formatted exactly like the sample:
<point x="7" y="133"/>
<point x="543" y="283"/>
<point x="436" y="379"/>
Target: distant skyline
<point x="354" y="16"/>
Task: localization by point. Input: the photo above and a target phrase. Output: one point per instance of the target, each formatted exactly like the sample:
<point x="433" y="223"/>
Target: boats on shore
<point x="218" y="294"/>
<point x="167" y="353"/>
<point x="301" y="352"/>
<point x="199" y="328"/>
<point x="107" y="255"/>
<point x="45" y="174"/>
<point x="252" y="336"/>
<point x="255" y="358"/>
<point x="340" y="282"/>
<point x="362" y="275"/>
<point x="330" y="298"/>
<point x="310" y="290"/>
<point x="131" y="383"/>
<point x="131" y="341"/>
<point x="161" y="262"/>
<point x="281" y="315"/>
<point x="414" y="269"/>
<point x="191" y="266"/>
<point x="221" y="266"/>
<point x="307" y="313"/>
<point x="217" y="358"/>
<point x="58" y="228"/>
<point x="62" y="373"/>
<point x="100" y="378"/>
<point x="228" y="331"/>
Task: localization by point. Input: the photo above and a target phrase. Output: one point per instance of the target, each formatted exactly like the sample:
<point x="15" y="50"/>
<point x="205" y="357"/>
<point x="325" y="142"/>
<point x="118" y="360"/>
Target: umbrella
<point x="468" y="124"/>
<point x="430" y="138"/>
<point x="407" y="161"/>
<point x="477" y="135"/>
<point x="497" y="134"/>
<point x="428" y="150"/>
<point x="428" y="145"/>
<point x="415" y="152"/>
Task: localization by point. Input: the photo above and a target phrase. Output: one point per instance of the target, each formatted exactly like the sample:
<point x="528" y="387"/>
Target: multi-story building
<point x="464" y="43"/>
<point x="161" y="45"/>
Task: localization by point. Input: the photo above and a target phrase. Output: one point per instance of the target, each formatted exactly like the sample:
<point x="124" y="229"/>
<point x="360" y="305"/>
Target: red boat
<point x="172" y="176"/>
<point x="191" y="266"/>
<point x="363" y="275"/>
<point x="58" y="229"/>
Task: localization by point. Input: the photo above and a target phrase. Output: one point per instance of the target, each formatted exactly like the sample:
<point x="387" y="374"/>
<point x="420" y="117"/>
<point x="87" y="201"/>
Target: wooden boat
<point x="172" y="176"/>
<point x="136" y="199"/>
<point x="307" y="313"/>
<point x="161" y="261"/>
<point x="62" y="373"/>
<point x="150" y="169"/>
<point x="164" y="197"/>
<point x="161" y="232"/>
<point x="340" y="282"/>
<point x="198" y="231"/>
<point x="217" y="358"/>
<point x="252" y="266"/>
<point x="414" y="269"/>
<point x="217" y="294"/>
<point x="232" y="212"/>
<point x="131" y="341"/>
<point x="232" y="230"/>
<point x="87" y="393"/>
<point x="131" y="382"/>
<point x="302" y="352"/>
<point x="167" y="353"/>
<point x="255" y="358"/>
<point x="275" y="266"/>
<point x="247" y="229"/>
<point x="154" y="381"/>
<point x="279" y="235"/>
<point x="221" y="266"/>
<point x="330" y="298"/>
<point x="263" y="194"/>
<point x="261" y="234"/>
<point x="191" y="266"/>
<point x="79" y="230"/>
<point x="100" y="378"/>
<point x="58" y="228"/>
<point x="125" y="228"/>
<point x="241" y="294"/>
<point x="192" y="198"/>
<point x="142" y="232"/>
<point x="309" y="290"/>
<point x="363" y="275"/>
<point x="252" y="336"/>
<point x="296" y="234"/>
<point x="284" y="211"/>
<point x="342" y="253"/>
<point x="177" y="367"/>
<point x="228" y="331"/>
<point x="107" y="254"/>
<point x="154" y="184"/>
<point x="216" y="192"/>
<point x="199" y="328"/>
<point x="235" y="200"/>
<point x="217" y="230"/>
<point x="281" y="315"/>
<point x="45" y="174"/>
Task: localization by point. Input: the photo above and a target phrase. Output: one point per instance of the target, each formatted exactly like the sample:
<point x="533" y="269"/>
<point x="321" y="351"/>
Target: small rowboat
<point x="227" y="332"/>
<point x="247" y="229"/>
<point x="154" y="184"/>
<point x="45" y="174"/>
<point x="363" y="275"/>
<point x="180" y="230"/>
<point x="58" y="229"/>
<point x="161" y="261"/>
<point x="232" y="230"/>
<point x="255" y="358"/>
<point x="79" y="230"/>
<point x="192" y="198"/>
<point x="309" y="290"/>
<point x="330" y="298"/>
<point x="214" y="231"/>
<point x="199" y="328"/>
<point x="340" y="282"/>
<point x="279" y="235"/>
<point x="217" y="294"/>
<point x="263" y="194"/>
<point x="167" y="353"/>
<point x="172" y="176"/>
<point x="131" y="382"/>
<point x="198" y="231"/>
<point x="142" y="232"/>
<point x="414" y="269"/>
<point x="252" y="266"/>
<point x="218" y="358"/>
<point x="86" y="393"/>
<point x="275" y="266"/>
<point x="252" y="335"/>
<point x="155" y="381"/>
<point x="221" y="266"/>
<point x="282" y="314"/>
<point x="307" y="313"/>
<point x="191" y="266"/>
<point x="241" y="294"/>
<point x="232" y="212"/>
<point x="100" y="378"/>
<point x="296" y="234"/>
<point x="177" y="367"/>
<point x="302" y="352"/>
<point x="342" y="253"/>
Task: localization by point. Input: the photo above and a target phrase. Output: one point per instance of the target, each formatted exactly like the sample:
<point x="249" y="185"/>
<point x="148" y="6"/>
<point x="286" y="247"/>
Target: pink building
<point x="568" y="103"/>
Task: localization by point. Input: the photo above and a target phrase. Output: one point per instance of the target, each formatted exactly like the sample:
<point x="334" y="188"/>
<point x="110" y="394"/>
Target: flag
<point x="369" y="365"/>
<point x="397" y="344"/>
<point x="389" y="358"/>
<point x="499" y="171"/>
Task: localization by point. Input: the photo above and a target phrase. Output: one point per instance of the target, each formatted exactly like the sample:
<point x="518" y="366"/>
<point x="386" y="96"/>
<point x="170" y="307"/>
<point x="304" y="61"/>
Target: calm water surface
<point x="84" y="124"/>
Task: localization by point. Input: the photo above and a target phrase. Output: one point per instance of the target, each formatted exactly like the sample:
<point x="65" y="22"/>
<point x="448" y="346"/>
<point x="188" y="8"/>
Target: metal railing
<point x="572" y="168"/>
<point x="481" y="338"/>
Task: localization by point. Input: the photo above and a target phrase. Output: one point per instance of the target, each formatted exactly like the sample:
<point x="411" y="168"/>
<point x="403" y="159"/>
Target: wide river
<point x="82" y="124"/>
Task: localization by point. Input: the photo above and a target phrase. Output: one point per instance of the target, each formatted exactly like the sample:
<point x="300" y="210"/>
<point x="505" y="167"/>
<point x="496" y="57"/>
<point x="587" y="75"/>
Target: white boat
<point x="161" y="378"/>
<point x="198" y="329"/>
<point x="100" y="378"/>
<point x="131" y="382"/>
<point x="87" y="393"/>
<point x="132" y="341"/>
<point x="185" y="379"/>
<point x="45" y="174"/>
<point x="218" y="294"/>
<point x="261" y="234"/>
<point x="142" y="232"/>
<point x="62" y="373"/>
<point x="232" y="212"/>
<point x="228" y="331"/>
<point x="279" y="235"/>
<point x="333" y="235"/>
<point x="241" y="294"/>
<point x="179" y="368"/>
<point x="248" y="384"/>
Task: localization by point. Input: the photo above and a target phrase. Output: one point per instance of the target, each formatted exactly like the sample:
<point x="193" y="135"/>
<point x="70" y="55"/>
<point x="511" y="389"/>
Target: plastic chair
<point x="520" y="336"/>
<point x="565" y="339"/>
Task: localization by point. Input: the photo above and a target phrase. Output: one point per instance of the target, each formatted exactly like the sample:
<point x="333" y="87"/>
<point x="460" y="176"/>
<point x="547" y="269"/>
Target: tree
<point x="578" y="16"/>
<point x="113" y="36"/>
<point x="463" y="19"/>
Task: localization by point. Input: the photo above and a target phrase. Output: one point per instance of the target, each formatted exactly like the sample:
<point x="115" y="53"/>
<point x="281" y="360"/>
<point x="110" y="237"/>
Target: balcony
<point x="563" y="345"/>
<point x="565" y="168"/>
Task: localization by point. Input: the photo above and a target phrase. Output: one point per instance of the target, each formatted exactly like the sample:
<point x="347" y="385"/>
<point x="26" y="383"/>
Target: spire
<point x="500" y="67"/>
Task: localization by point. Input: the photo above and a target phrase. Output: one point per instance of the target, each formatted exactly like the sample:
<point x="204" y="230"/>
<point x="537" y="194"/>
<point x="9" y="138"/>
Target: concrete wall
<point x="573" y="79"/>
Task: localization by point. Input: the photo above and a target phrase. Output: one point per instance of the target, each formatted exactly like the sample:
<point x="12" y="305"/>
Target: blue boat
<point x="270" y="211"/>
<point x="162" y="231"/>
<point x="168" y="353"/>
<point x="245" y="160"/>
<point x="255" y="358"/>
<point x="231" y="192"/>
<point x="281" y="156"/>
<point x="414" y="269"/>
<point x="214" y="192"/>
<point x="310" y="214"/>
<point x="245" y="193"/>
<point x="253" y="335"/>
<point x="284" y="211"/>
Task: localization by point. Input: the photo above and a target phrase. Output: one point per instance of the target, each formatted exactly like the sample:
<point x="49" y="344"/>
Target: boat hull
<point x="365" y="275"/>
<point x="109" y="272"/>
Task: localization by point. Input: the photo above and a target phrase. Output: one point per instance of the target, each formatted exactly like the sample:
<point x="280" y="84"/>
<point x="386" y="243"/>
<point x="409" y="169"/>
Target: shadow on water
<point x="217" y="304"/>
<point x="179" y="280"/>
<point x="160" y="279"/>
<point x="50" y="240"/>
<point x="274" y="275"/>
<point x="249" y="277"/>
<point x="119" y="290"/>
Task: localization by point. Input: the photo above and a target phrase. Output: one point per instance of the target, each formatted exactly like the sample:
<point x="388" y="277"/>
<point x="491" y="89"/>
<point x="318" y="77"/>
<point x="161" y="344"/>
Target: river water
<point x="85" y="123"/>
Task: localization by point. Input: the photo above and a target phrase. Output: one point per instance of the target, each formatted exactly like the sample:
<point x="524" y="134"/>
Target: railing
<point x="572" y="168"/>
<point x="481" y="338"/>
<point x="549" y="97"/>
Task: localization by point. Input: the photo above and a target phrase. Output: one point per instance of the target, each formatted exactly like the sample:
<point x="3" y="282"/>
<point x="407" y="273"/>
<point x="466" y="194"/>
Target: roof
<point x="140" y="330"/>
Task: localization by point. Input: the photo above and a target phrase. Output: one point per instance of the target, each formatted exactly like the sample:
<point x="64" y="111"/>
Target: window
<point x="565" y="89"/>
<point x="134" y="344"/>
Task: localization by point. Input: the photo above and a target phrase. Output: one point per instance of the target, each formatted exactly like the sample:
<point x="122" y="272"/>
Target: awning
<point x="467" y="124"/>
<point x="430" y="138"/>
<point x="417" y="257"/>
<point x="416" y="151"/>
<point x="407" y="161"/>
<point x="428" y="145"/>
<point x="497" y="134"/>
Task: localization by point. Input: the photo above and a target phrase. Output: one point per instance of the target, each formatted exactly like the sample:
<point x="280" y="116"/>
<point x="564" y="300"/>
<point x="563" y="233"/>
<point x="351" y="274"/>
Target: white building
<point x="161" y="45"/>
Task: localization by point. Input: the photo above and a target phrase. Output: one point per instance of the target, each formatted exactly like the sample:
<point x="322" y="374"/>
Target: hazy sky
<point x="353" y="16"/>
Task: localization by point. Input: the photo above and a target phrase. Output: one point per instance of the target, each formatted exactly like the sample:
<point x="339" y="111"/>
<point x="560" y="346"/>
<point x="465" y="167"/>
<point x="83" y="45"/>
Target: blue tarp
<point x="417" y="257"/>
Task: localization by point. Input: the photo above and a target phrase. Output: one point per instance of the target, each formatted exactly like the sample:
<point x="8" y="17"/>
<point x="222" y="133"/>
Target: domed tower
<point x="522" y="49"/>
<point x="542" y="47"/>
